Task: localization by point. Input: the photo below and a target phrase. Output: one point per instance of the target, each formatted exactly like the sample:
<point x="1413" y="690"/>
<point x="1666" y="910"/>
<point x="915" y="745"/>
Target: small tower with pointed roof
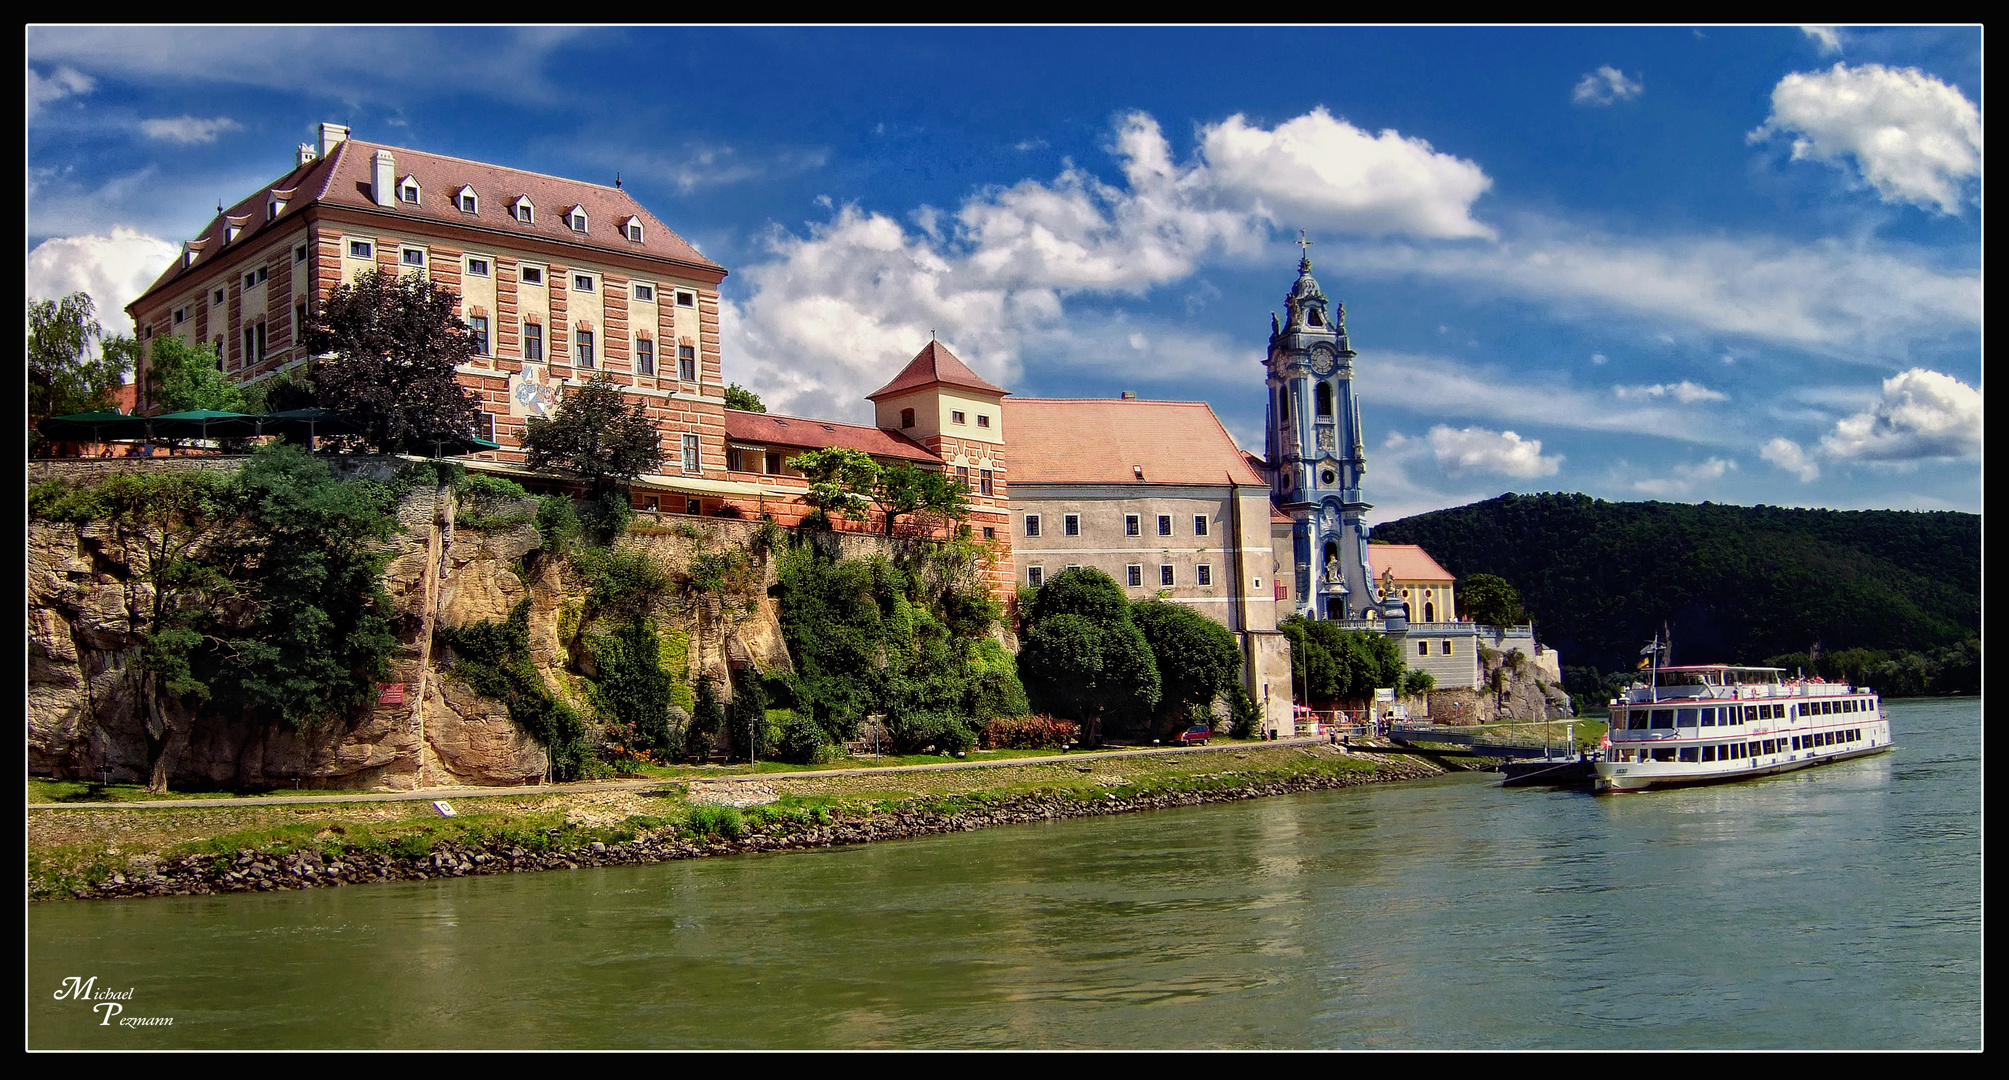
<point x="1316" y="451"/>
<point x="937" y="401"/>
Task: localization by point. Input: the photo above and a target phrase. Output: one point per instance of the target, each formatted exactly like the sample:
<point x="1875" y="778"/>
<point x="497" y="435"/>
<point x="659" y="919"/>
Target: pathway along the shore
<point x="586" y="787"/>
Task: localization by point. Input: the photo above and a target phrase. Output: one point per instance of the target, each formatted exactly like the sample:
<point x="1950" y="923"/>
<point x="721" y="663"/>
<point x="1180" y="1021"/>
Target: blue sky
<point x="1733" y="264"/>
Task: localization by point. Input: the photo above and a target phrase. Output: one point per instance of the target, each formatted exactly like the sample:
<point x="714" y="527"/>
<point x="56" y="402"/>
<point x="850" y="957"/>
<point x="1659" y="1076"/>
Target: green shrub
<point x="712" y="819"/>
<point x="1029" y="733"/>
<point x="801" y="740"/>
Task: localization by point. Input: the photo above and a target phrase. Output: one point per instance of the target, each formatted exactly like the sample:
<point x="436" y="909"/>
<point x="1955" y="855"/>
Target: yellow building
<point x="1421" y="584"/>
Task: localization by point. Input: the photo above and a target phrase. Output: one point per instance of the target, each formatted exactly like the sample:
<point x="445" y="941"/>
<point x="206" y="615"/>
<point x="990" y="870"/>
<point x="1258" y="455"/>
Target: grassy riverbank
<point x="127" y="851"/>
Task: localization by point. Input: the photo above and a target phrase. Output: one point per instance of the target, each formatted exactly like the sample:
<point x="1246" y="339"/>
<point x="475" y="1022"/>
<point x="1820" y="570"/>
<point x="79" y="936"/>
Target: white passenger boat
<point x="1706" y="723"/>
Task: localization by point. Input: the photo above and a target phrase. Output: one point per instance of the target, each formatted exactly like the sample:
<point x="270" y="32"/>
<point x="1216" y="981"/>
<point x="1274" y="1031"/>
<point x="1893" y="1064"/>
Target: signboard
<point x="391" y="693"/>
<point x="1386" y="694"/>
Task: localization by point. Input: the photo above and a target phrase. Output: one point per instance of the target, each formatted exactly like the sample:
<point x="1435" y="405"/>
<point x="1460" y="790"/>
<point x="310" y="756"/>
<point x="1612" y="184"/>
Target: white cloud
<point x="113" y="269"/>
<point x="1684" y="392"/>
<point x="188" y="129"/>
<point x="1914" y="138"/>
<point x="1827" y="38"/>
<point x="1787" y="455"/>
<point x="1605" y="85"/>
<point x="1922" y="414"/>
<point x="1478" y="450"/>
<point x="57" y="85"/>
<point x="1685" y="478"/>
<point x="1599" y="358"/>
<point x="834" y="312"/>
<point x="1450" y="388"/>
<point x="1857" y="303"/>
<point x="1320" y="170"/>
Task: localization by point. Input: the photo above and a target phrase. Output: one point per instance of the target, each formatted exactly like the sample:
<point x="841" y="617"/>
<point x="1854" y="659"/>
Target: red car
<point x="1197" y="735"/>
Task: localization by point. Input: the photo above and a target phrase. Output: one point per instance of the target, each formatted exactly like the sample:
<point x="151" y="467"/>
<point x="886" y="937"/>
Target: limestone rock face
<point x="484" y="590"/>
<point x="470" y="740"/>
<point x="758" y="640"/>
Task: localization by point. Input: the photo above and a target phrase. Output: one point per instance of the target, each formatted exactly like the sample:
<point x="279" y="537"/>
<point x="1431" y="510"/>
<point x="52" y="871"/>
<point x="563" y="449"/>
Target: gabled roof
<point x="1410" y="562"/>
<point x="934" y="364"/>
<point x="769" y="429"/>
<point x="1107" y="440"/>
<point x="344" y="176"/>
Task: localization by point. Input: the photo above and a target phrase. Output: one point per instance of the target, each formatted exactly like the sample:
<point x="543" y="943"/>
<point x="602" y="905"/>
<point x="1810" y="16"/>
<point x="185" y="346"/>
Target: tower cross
<point x="1305" y="243"/>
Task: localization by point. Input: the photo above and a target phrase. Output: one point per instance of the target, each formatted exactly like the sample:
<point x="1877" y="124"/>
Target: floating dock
<point x="1549" y="772"/>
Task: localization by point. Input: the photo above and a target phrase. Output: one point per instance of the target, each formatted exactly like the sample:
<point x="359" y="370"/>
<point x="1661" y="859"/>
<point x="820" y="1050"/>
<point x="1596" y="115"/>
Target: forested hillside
<point x="1736" y="584"/>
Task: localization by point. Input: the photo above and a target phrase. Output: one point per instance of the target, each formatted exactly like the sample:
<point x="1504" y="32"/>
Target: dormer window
<point x="408" y="190"/>
<point x="522" y="211"/>
<point x="467" y="200"/>
<point x="575" y="219"/>
<point x="632" y="229"/>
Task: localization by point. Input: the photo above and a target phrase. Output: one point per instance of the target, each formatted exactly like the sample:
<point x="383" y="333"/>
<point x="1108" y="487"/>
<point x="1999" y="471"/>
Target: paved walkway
<point x="591" y="786"/>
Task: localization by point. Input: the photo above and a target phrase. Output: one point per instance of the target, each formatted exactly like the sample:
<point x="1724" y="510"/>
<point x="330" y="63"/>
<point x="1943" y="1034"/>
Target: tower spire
<point x="1304" y="264"/>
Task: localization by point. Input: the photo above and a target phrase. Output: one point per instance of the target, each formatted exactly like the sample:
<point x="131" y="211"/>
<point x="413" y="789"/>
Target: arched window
<point x="1429" y="613"/>
<point x="1324" y="396"/>
<point x="906" y="418"/>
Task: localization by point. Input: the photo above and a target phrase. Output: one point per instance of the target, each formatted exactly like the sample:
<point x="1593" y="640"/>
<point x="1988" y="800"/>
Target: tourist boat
<point x="1707" y="723"/>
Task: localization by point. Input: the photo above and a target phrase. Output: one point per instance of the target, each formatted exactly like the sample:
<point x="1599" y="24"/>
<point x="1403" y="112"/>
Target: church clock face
<point x="1323" y="363"/>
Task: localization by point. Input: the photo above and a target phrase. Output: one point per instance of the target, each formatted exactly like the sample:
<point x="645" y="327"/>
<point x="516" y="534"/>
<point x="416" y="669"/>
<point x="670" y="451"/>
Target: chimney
<point x="382" y="179"/>
<point x="332" y="135"/>
<point x="306" y="155"/>
<point x="1130" y="395"/>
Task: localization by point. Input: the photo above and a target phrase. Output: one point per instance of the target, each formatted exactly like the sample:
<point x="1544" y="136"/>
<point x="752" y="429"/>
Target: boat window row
<point x="1731" y="715"/>
<point x="1832" y="706"/>
<point x="1740" y="750"/>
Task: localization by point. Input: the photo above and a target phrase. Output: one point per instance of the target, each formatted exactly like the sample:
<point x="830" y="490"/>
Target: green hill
<point x="1736" y="584"/>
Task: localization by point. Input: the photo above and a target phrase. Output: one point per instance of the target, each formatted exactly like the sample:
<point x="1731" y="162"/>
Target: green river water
<point x="1836" y="907"/>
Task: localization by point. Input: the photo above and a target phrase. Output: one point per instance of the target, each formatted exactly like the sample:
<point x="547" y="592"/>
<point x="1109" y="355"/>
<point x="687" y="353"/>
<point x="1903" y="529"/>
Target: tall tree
<point x="181" y="377"/>
<point x="1197" y="657"/>
<point x="904" y="489"/>
<point x="72" y="366"/>
<point x="1489" y="599"/>
<point x="596" y="434"/>
<point x="841" y="480"/>
<point x="1083" y="657"/>
<point x="396" y="342"/>
<point x="739" y="397"/>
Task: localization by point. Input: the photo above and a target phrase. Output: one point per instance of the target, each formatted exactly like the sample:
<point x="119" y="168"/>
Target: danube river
<point x="1837" y="907"/>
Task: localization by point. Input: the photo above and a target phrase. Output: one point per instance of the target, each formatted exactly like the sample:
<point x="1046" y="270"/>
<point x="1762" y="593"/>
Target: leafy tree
<point x="64" y="376"/>
<point x="841" y="480"/>
<point x="1333" y="664"/>
<point x="1418" y="682"/>
<point x="904" y="489"/>
<point x="596" y="434"/>
<point x="1489" y="599"/>
<point x="1082" y="656"/>
<point x="1197" y="657"/>
<point x="182" y="377"/>
<point x="283" y="392"/>
<point x="396" y="342"/>
<point x="739" y="397"/>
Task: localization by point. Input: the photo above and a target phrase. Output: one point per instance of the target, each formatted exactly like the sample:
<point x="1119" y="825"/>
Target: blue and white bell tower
<point x="1317" y="454"/>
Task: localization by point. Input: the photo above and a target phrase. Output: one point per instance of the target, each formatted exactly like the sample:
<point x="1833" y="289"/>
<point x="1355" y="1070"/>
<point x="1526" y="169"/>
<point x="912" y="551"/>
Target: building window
<point x="645" y="292"/>
<point x="582" y="283"/>
<point x="955" y="416"/>
<point x="533" y="341"/>
<point x="633" y="230"/>
<point x="986" y="484"/>
<point x="691" y="463"/>
<point x="1032" y="524"/>
<point x="1071" y="524"/>
<point x="488" y="426"/>
<point x="990" y="532"/>
<point x="479" y="325"/>
<point x="1447" y="648"/>
<point x="477" y="267"/>
<point x="584" y="340"/>
<point x="1199" y="524"/>
<point x="219" y="295"/>
<point x="533" y="275"/>
<point x="468" y="202"/>
<point x="524" y="212"/>
<point x="575" y="219"/>
<point x="1164" y="524"/>
<point x="1035" y="575"/>
<point x="687" y="363"/>
<point x="1133" y="575"/>
<point x="1165" y="574"/>
<point x="412" y="257"/>
<point x="1423" y="648"/>
<point x="775" y="467"/>
<point x="983" y="420"/>
<point x="300" y="323"/>
<point x="255" y="278"/>
<point x="300" y="254"/>
<point x="1132" y="526"/>
<point x="685" y="299"/>
<point x="254" y="343"/>
<point x="1323" y="396"/>
<point x="645" y="356"/>
<point x="1205" y="575"/>
<point x="906" y="418"/>
<point x="180" y="315"/>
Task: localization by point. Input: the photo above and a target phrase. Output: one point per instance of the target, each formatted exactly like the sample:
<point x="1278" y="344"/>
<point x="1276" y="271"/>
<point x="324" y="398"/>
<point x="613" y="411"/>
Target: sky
<point x="1734" y="264"/>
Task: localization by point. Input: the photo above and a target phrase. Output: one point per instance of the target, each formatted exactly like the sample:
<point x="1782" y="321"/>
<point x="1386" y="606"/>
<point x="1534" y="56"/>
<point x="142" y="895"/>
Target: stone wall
<point x="1527" y="690"/>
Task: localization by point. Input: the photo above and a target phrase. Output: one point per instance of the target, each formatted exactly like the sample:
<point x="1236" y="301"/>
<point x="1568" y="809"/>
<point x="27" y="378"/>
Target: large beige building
<point x="560" y="279"/>
<point x="1156" y="495"/>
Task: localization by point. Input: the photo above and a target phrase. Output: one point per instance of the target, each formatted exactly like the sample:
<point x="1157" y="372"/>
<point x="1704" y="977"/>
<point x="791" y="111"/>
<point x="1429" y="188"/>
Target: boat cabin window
<point x="1709" y="718"/>
<point x="1635" y="720"/>
<point x="1663" y="718"/>
<point x="1684" y="718"/>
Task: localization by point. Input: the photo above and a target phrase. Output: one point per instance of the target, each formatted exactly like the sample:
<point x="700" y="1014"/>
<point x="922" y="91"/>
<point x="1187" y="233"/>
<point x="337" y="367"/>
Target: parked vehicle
<point x="1197" y="735"/>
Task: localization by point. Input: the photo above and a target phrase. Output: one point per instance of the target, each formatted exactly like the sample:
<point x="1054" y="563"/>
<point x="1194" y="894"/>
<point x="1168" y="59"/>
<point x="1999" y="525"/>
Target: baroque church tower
<point x="1316" y="452"/>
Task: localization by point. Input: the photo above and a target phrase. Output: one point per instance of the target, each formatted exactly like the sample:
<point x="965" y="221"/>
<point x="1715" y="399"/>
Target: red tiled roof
<point x="1278" y="517"/>
<point x="343" y="178"/>
<point x="768" y="429"/>
<point x="1410" y="562"/>
<point x="934" y="364"/>
<point x="1105" y="441"/>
